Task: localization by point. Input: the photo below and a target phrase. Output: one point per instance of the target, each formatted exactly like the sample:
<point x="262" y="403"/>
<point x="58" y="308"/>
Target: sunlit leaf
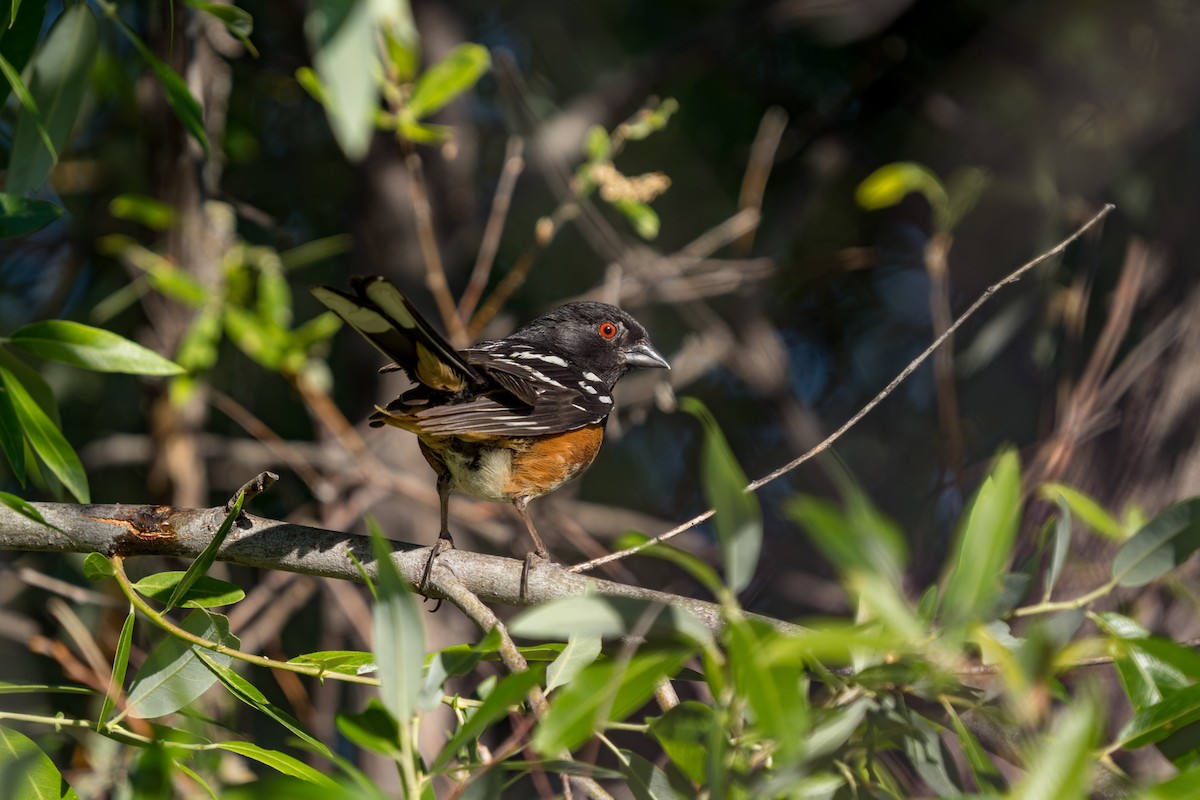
<point x="641" y="216"/>
<point x="205" y="592"/>
<point x="45" y="437"/>
<point x="374" y="729"/>
<point x="1062" y="543"/>
<point x="448" y="78"/>
<point x="172" y="676"/>
<point x="645" y="780"/>
<point x="738" y="520"/>
<point x="399" y="633"/>
<point x="26" y="509"/>
<point x="349" y="662"/>
<point x="91" y="348"/>
<point x="775" y="693"/>
<point x="148" y="211"/>
<point x="120" y="664"/>
<point x="509" y="691"/>
<point x="1163" y="719"/>
<point x="1085" y="509"/>
<point x="984" y="543"/>
<point x="201" y="564"/>
<point x="280" y="762"/>
<point x="236" y="20"/>
<point x="97" y="568"/>
<point x="608" y="617"/>
<point x="698" y="569"/>
<point x="26" y="773"/>
<point x="684" y="732"/>
<point x="581" y="650"/>
<point x="891" y="183"/>
<point x="1163" y="544"/>
<point x="343" y="39"/>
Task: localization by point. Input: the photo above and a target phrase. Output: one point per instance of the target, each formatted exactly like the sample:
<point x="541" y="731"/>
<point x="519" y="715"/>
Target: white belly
<point x="484" y="474"/>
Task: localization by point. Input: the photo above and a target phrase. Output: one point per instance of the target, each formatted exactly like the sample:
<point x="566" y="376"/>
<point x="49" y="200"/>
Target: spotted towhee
<point x="509" y="419"/>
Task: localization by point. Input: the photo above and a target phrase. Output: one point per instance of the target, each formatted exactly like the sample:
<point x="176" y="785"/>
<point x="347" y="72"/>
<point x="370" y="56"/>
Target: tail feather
<point x="385" y="318"/>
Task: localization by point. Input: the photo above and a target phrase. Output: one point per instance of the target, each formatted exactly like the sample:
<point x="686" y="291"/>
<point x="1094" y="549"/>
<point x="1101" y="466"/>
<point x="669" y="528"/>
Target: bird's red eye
<point x="607" y="330"/>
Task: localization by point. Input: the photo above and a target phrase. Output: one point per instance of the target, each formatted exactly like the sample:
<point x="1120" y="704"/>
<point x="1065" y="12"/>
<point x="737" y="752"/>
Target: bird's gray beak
<point x="643" y="355"/>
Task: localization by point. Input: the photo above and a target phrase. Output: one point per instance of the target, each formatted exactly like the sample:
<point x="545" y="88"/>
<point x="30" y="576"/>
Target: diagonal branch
<point x="133" y="530"/>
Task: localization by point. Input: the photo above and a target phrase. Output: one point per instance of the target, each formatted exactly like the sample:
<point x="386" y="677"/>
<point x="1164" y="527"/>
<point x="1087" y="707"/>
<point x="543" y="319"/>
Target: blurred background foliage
<point x="196" y="235"/>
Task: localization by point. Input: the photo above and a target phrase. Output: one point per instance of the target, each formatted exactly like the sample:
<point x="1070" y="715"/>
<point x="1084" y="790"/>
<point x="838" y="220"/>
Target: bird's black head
<point x="597" y="337"/>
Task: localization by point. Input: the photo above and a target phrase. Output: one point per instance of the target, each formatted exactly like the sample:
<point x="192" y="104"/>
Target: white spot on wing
<point x="591" y="376"/>
<point x="605" y="399"/>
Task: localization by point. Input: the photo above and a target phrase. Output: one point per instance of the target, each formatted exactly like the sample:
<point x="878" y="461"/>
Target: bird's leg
<point x="444" y="541"/>
<point x="522" y="506"/>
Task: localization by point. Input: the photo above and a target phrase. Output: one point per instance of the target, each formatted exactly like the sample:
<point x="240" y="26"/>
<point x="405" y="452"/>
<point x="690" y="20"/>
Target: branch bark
<point x="142" y="530"/>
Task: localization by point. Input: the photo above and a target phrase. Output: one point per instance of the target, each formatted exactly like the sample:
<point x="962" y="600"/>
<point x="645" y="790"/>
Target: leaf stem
<point x="1049" y="607"/>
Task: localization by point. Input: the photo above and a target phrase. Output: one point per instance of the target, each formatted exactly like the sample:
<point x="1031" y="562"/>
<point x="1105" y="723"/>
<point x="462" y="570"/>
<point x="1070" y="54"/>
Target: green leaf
<point x="596" y="144"/>
<point x="1061" y="768"/>
<point x="984" y="544"/>
<point x="963" y="191"/>
<point x="776" y="694"/>
<point x="45" y="438"/>
<point x="97" y="568"/>
<point x="374" y="729"/>
<point x="164" y="276"/>
<point x="982" y="769"/>
<point x="855" y="537"/>
<point x="581" y="650"/>
<point x="120" y="665"/>
<point x="22" y="215"/>
<point x="641" y="217"/>
<point x="179" y="97"/>
<point x="1142" y="675"/>
<point x="347" y="662"/>
<point x="835" y="728"/>
<point x="1157" y="722"/>
<point x="342" y="36"/>
<point x="207" y="556"/>
<point x="205" y="592"/>
<point x="608" y="617"/>
<point x="173" y="675"/>
<point x="1184" y="786"/>
<point x="891" y="183"/>
<point x="399" y="633"/>
<point x="1062" y="544"/>
<point x="91" y="348"/>
<point x="738" y="520"/>
<point x="447" y="79"/>
<point x="1163" y="544"/>
<point x="684" y="732"/>
<point x="249" y="694"/>
<point x="236" y="20"/>
<point x="280" y="762"/>
<point x="1087" y="510"/>
<point x="12" y="436"/>
<point x="26" y="773"/>
<point x="148" y="211"/>
<point x="39" y="688"/>
<point x="646" y="781"/>
<point x="25" y="509"/>
<point x="25" y="24"/>
<point x="606" y="690"/>
<point x="57" y="78"/>
<point x="508" y="692"/>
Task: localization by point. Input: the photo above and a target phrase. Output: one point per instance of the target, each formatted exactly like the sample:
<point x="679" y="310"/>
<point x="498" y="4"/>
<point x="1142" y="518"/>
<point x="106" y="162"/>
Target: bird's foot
<point x="530" y="558"/>
<point x="443" y="544"/>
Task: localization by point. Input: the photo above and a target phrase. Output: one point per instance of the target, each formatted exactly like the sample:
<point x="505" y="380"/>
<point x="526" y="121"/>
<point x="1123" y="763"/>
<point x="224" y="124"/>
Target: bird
<point x="506" y="420"/>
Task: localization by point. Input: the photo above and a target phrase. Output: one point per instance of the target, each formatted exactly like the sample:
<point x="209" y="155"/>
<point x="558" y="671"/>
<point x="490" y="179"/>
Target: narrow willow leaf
<point x="20" y="216"/>
<point x="984" y="544"/>
<point x="179" y="97"/>
<point x="1163" y="719"/>
<point x="509" y="692"/>
<point x="1163" y="544"/>
<point x="348" y="662"/>
<point x="27" y="773"/>
<point x="606" y="690"/>
<point x="399" y="633"/>
<point x="173" y="675"/>
<point x="374" y="729"/>
<point x="205" y="592"/>
<point x="280" y="762"/>
<point x="441" y="83"/>
<point x="12" y="437"/>
<point x="581" y="650"/>
<point x="1062" y="544"/>
<point x="683" y="733"/>
<point x="1061" y="769"/>
<point x="1087" y="510"/>
<point x="738" y="520"/>
<point x="91" y="348"/>
<point x="26" y="509"/>
<point x="249" y="694"/>
<point x="207" y="556"/>
<point x="608" y="617"/>
<point x="776" y="694"/>
<point x="702" y="572"/>
<point x="45" y="438"/>
<point x="57" y="79"/>
<point x="39" y="688"/>
<point x="25" y="24"/>
<point x="120" y="664"/>
<point x="891" y="183"/>
<point x="646" y="781"/>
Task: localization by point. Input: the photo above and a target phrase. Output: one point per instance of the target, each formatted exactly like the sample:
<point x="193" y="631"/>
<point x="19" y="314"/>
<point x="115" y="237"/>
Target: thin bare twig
<point x="1012" y="277"/>
<point x="514" y="164"/>
<point x="758" y="167"/>
<point x="435" y="271"/>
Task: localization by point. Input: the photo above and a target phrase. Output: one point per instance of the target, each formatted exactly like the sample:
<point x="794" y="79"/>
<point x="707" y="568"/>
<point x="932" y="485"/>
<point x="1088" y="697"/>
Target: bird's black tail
<point x="386" y="319"/>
